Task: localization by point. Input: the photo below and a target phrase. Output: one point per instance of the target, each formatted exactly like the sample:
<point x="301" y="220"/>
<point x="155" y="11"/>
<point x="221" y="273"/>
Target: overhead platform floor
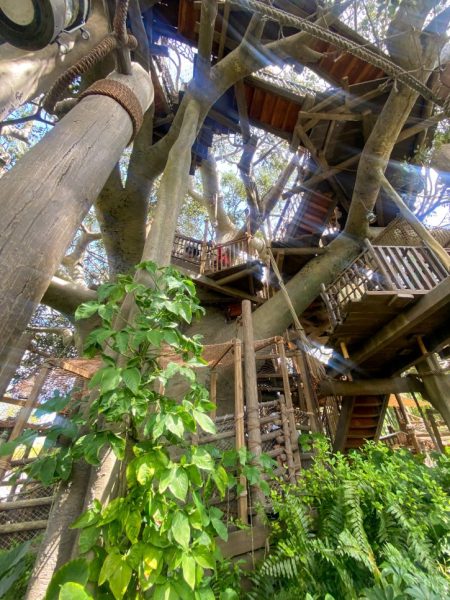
<point x="381" y="330"/>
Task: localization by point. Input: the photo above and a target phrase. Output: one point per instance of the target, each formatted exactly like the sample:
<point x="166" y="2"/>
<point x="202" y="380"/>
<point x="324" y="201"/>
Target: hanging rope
<point x="119" y="39"/>
<point x="323" y="34"/>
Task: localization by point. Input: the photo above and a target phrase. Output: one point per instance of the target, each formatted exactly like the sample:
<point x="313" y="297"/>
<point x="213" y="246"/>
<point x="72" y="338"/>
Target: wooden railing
<point x="206" y="257"/>
<point x="397" y="269"/>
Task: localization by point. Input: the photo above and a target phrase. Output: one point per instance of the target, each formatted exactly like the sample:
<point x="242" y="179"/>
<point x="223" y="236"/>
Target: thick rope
<point x="123" y="95"/>
<point x="321" y="33"/>
<point x="118" y="39"/>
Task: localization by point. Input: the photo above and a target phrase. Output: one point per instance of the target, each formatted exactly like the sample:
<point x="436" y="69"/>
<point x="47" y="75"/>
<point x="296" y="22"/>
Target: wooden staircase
<point x="360" y="420"/>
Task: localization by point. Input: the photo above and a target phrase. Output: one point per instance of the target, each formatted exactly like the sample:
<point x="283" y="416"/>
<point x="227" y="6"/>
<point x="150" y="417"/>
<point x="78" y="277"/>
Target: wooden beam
<point x="324" y="116"/>
<point x="238" y="275"/>
<point x="227" y="291"/>
<point x="323" y="164"/>
<point x="394" y="385"/>
<point x="13" y="401"/>
<point x="24" y="526"/>
<point x="299" y="251"/>
<point x="27" y="503"/>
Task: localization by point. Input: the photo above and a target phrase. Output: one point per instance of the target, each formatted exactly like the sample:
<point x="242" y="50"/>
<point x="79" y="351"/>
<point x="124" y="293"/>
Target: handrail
<point x="207" y="257"/>
<point x="396" y="269"/>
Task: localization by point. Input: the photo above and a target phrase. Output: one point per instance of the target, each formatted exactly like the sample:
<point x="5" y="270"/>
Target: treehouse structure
<point x="386" y="313"/>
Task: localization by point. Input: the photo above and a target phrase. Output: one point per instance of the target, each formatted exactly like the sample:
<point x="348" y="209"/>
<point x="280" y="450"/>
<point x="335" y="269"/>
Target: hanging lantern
<point x="33" y="24"/>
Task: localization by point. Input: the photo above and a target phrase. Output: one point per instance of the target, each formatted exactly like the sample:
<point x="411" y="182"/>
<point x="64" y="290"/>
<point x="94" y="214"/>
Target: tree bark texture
<point x="47" y="194"/>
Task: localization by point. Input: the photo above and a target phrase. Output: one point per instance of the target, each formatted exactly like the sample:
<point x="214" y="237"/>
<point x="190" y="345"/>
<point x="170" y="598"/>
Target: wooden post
<point x="289" y="406"/>
<point x="409" y="428"/>
<point x="239" y="422"/>
<point x="426" y="423"/>
<point x="24" y="414"/>
<point x="308" y="391"/>
<point x="251" y="391"/>
<point x="287" y="441"/>
<point x="46" y="195"/>
<point x="346" y="412"/>
<point x="435" y="429"/>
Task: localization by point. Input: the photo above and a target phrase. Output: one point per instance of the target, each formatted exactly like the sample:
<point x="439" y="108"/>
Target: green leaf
<point x="73" y="591"/>
<point x="175" y="425"/>
<point x="121" y="339"/>
<point x="112" y="511"/>
<point x="220" y="477"/>
<point x="220" y="528"/>
<point x="204" y="558"/>
<point x="117" y="573"/>
<point x="107" y="379"/>
<point x="105" y="290"/>
<point x="151" y="560"/>
<point x="188" y="568"/>
<point x="88" y="538"/>
<point x="117" y="444"/>
<point x="86" y="310"/>
<point x="181" y="530"/>
<point x="165" y="592"/>
<point x="155" y="337"/>
<point x="133" y="526"/>
<point x="13" y="556"/>
<point x="132" y="379"/>
<point x="88" y="518"/>
<point x="205" y="422"/>
<point x="228" y="594"/>
<point x="203" y="459"/>
<point x="145" y="471"/>
<point x="180" y="484"/>
<point x="166" y="479"/>
<point x="26" y="438"/>
<point x="75" y="571"/>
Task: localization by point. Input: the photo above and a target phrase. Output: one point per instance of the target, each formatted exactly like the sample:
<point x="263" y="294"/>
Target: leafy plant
<point x="157" y="539"/>
<point x="15" y="568"/>
<point x="373" y="524"/>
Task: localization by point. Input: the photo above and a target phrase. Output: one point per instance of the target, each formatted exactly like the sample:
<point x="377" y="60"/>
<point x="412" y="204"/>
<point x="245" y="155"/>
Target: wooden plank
<point x="243" y="541"/>
<point x="331" y="116"/>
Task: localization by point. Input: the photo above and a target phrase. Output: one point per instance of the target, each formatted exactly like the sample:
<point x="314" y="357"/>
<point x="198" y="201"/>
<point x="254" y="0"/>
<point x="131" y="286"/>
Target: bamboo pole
<point x="239" y="421"/>
<point x="287" y="441"/>
<point x="251" y="391"/>
<point x="289" y="406"/>
<point x="418" y="227"/>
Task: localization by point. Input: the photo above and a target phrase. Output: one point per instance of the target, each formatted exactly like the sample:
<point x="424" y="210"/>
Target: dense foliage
<point x="158" y="536"/>
<point x="373" y="525"/>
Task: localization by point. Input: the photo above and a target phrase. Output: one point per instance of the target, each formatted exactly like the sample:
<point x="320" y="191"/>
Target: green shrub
<point x="374" y="524"/>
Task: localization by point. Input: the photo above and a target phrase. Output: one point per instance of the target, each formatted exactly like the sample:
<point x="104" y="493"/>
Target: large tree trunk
<point x="47" y="194"/>
<point x="25" y="75"/>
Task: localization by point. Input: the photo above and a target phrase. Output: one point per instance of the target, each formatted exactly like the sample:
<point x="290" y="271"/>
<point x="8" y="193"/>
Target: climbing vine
<point x="156" y="539"/>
